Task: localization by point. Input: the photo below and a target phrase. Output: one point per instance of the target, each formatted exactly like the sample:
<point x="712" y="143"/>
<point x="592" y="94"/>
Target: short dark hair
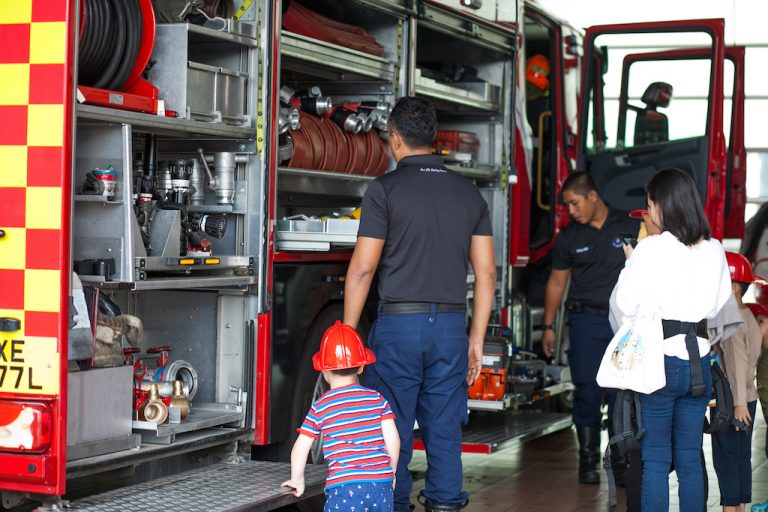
<point x="346" y="371"/>
<point x="742" y="286"/>
<point x="581" y="183"/>
<point x="415" y="120"/>
<point x="676" y="197"/>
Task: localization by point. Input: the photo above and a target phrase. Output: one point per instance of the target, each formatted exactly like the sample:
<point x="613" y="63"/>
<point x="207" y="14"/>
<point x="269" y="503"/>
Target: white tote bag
<point x="634" y="358"/>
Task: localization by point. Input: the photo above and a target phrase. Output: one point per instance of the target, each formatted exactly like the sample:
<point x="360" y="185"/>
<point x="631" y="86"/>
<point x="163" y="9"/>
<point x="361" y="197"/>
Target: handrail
<point x="539" y="170"/>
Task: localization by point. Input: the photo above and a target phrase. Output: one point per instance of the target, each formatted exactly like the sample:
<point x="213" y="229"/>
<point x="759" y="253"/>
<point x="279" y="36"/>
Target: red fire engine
<point x="178" y="201"/>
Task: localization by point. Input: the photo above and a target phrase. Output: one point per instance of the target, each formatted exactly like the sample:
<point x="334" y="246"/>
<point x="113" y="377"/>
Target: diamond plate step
<point x="248" y="486"/>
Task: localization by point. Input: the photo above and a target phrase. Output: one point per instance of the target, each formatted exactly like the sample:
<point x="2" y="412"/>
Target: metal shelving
<point x="475" y="95"/>
<point x="319" y="54"/>
<point x="164" y="125"/>
<point x="305" y="181"/>
<point x="475" y="171"/>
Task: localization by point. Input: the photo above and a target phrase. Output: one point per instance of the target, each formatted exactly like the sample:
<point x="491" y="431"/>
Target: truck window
<point x="654" y="102"/>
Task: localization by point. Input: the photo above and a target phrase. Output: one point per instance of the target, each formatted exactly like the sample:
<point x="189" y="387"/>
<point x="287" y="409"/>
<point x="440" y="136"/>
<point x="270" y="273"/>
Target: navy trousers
<point x="421" y="369"/>
<point x="590" y="335"/>
<point x="732" y="458"/>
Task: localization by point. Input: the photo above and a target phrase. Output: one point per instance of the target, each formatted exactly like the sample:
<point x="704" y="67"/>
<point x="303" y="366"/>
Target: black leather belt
<point x="578" y="307"/>
<point x="400" y="308"/>
<point x="692" y="330"/>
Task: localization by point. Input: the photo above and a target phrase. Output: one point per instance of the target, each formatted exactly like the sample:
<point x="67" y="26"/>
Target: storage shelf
<point x="478" y="171"/>
<point x="319" y="54"/>
<point x="164" y="125"/>
<point x="173" y="283"/>
<point x="82" y="198"/>
<point x="304" y="181"/>
<point x="201" y="416"/>
<point x="474" y="95"/>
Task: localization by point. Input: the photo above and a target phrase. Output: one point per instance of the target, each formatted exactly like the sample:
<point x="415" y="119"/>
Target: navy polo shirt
<point x="427" y="215"/>
<point x="594" y="256"/>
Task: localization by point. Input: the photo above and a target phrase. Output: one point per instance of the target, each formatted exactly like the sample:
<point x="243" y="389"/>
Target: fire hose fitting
<point x="153" y="409"/>
<point x="347" y="120"/>
<point x="179" y="400"/>
<point x="288" y="119"/>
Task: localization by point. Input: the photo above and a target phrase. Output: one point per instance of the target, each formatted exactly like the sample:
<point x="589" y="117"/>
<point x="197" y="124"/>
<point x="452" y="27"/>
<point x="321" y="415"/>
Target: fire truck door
<point x="35" y="160"/>
<point x="622" y="147"/>
<point x="733" y="122"/>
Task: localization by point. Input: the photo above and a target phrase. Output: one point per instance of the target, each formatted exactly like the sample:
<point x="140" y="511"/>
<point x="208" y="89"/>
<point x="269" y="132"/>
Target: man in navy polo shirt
<point x="420" y="227"/>
<point x="590" y="252"/>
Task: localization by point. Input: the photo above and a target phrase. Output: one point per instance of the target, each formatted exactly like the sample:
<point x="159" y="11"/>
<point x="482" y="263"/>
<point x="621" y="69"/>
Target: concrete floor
<point x="541" y="475"/>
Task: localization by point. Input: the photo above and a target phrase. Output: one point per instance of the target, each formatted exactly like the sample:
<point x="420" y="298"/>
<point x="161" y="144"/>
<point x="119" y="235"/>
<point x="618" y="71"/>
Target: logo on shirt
<point x="431" y="169"/>
<point x="617" y="243"/>
<point x="582" y="250"/>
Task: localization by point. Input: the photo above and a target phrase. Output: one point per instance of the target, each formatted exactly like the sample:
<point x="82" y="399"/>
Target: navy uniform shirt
<point x="426" y="215"/>
<point x="594" y="256"/>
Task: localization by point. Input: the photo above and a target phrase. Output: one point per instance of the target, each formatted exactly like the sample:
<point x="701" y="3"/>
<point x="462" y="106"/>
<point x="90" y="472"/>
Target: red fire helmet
<point x="757" y="309"/>
<point x="739" y="267"/>
<point x="537" y="71"/>
<point x="761" y="290"/>
<point x="341" y="347"/>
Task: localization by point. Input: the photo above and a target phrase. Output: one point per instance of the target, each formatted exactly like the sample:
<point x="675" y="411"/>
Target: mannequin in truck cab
<point x="651" y="126"/>
<point x="421" y="225"/>
<point x="536" y="90"/>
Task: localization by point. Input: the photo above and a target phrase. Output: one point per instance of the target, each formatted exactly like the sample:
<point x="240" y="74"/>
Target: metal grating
<point x="248" y="486"/>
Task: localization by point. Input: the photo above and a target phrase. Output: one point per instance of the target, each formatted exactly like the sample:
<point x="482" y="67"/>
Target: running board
<point x="252" y="486"/>
<point x="492" y="431"/>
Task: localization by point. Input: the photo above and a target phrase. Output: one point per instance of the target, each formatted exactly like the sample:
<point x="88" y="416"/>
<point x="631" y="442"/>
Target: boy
<point x="360" y="440"/>
<point x="761" y="314"/>
<point x="731" y="450"/>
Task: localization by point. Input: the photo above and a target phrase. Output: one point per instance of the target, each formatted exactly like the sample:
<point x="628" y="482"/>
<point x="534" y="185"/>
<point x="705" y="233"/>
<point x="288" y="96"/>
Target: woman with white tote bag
<point x="681" y="278"/>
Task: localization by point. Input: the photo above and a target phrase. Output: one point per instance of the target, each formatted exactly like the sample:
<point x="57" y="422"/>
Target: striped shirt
<point x="350" y="419"/>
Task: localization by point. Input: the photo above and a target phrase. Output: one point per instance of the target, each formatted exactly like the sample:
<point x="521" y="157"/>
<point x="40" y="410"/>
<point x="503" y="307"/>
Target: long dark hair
<point x="676" y="197"/>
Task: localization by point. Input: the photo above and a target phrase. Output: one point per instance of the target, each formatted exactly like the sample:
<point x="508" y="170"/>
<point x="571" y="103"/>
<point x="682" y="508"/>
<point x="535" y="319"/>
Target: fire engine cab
<point x="180" y="186"/>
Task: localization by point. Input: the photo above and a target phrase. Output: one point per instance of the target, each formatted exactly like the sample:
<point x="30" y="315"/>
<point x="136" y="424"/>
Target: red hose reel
<point x="137" y="93"/>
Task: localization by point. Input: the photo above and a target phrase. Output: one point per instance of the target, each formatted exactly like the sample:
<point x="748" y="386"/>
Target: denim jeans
<point x="673" y="420"/>
<point x="421" y="369"/>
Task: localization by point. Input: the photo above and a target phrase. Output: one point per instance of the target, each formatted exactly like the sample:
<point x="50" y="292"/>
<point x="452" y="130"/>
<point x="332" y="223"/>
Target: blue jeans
<point x="421" y="369"/>
<point x="732" y="458"/>
<point x="590" y="335"/>
<point x="360" y="497"/>
<point x="673" y="420"/>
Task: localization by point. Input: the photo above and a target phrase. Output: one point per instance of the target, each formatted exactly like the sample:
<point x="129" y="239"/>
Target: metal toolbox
<point x="99" y="412"/>
<point x="197" y="83"/>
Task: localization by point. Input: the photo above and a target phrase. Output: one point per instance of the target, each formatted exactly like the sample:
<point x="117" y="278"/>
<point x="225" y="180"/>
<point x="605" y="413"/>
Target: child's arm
<point x="299" y="455"/>
<point x="736" y="364"/>
<point x="391" y="441"/>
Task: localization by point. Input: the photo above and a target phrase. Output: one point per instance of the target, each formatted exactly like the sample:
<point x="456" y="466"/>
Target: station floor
<point x="541" y="475"/>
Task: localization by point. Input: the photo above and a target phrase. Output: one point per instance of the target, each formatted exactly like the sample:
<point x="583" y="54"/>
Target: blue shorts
<point x="359" y="497"/>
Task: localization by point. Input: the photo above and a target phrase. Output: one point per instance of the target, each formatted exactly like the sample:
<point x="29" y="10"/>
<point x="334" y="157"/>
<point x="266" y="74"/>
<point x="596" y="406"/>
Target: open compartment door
<point x="631" y="125"/>
<point x="35" y="202"/>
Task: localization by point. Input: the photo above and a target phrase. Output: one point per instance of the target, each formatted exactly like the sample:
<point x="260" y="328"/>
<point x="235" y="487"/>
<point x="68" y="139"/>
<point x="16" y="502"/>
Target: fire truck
<point x="179" y="193"/>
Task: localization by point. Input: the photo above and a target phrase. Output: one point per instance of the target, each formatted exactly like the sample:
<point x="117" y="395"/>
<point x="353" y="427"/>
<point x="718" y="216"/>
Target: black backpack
<point x="627" y="432"/>
<point x="721" y="415"/>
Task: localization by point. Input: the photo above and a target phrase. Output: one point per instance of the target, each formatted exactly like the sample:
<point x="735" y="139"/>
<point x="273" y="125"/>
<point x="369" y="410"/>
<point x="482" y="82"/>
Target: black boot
<point x="589" y="454"/>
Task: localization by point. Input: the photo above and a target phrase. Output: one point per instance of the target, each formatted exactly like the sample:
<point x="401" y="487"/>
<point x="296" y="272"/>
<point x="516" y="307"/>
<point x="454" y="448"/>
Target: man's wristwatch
<point x="548" y="327"/>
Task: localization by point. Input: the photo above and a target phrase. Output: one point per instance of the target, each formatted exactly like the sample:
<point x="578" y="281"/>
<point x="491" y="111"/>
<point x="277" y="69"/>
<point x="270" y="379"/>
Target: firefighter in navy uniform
<point x="420" y="227"/>
<point x="590" y="252"/>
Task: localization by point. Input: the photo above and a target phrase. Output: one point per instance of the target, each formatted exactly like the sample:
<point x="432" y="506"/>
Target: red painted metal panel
<point x="312" y="257"/>
<point x="35" y="204"/>
<point x="263" y="375"/>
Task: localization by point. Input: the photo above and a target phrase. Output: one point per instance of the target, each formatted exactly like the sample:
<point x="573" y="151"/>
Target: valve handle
<point x="158" y="350"/>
